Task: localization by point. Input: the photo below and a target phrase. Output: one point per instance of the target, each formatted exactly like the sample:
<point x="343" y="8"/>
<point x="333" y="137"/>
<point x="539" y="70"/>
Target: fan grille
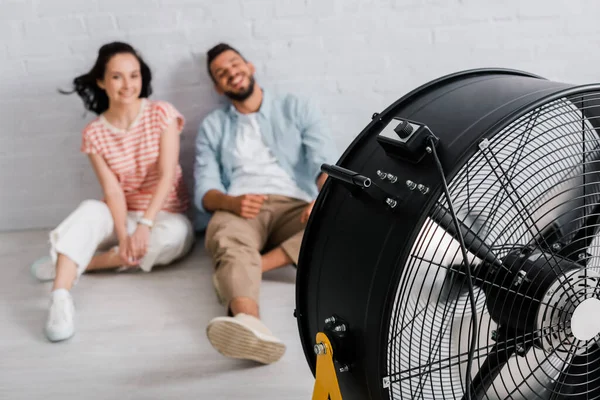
<point x="532" y="184"/>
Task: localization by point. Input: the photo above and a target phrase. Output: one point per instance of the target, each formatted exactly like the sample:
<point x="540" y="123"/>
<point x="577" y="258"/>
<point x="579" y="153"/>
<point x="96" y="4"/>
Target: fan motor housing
<point x="515" y="293"/>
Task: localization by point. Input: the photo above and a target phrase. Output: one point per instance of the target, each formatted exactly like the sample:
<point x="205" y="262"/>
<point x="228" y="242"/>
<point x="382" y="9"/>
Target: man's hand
<point x="306" y="213"/>
<point x="247" y="205"/>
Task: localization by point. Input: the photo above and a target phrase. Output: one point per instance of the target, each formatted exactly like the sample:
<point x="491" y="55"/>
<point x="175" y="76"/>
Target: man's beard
<point x="242" y="95"/>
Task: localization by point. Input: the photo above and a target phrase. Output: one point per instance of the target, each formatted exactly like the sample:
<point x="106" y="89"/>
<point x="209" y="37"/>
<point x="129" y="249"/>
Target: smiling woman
<point x="133" y="146"/>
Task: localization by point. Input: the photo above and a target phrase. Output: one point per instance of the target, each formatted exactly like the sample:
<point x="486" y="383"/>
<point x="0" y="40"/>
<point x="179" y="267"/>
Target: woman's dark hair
<point x="94" y="98"/>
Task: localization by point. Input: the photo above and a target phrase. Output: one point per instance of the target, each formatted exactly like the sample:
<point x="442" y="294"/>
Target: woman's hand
<point x="124" y="253"/>
<point x="138" y="243"/>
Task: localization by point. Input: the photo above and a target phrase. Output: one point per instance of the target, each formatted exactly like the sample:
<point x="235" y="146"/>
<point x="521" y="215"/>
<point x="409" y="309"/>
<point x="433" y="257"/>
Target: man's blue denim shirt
<point x="292" y="127"/>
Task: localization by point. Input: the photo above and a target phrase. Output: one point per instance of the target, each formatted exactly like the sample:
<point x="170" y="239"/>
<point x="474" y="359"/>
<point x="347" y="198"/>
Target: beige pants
<point x="90" y="228"/>
<point x="236" y="244"/>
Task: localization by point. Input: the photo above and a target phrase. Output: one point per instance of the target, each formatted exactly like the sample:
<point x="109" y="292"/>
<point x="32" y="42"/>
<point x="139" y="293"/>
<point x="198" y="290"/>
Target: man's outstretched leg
<point x="234" y="244"/>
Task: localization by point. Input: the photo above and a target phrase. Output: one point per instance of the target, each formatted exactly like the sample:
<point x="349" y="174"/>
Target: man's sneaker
<point x="244" y="337"/>
<point x="60" y="324"/>
<point x="44" y="269"/>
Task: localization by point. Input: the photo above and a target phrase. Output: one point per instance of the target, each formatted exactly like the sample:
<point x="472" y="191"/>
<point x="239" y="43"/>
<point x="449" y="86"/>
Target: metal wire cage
<point x="468" y="265"/>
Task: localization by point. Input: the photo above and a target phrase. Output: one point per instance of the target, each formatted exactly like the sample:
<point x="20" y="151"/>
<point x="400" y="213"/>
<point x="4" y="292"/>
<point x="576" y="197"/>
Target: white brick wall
<point x="354" y="56"/>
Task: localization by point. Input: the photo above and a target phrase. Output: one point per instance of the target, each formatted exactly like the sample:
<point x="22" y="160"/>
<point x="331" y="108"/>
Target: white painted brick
<point x="88" y="47"/>
<point x="148" y="21"/>
<point x="100" y="24"/>
<point x="297" y="47"/>
<point x="365" y="64"/>
<point x="491" y="9"/>
<point x="33" y="86"/>
<point x="38" y="218"/>
<point x="500" y="34"/>
<point x="58" y="66"/>
<point x="258" y="9"/>
<point x="350" y="6"/>
<point x="406" y="42"/>
<point x="338" y="25"/>
<point x="194" y="103"/>
<point x="324" y="8"/>
<point x="350" y="124"/>
<point x="10" y="122"/>
<point x="57" y="124"/>
<point x="554" y="8"/>
<point x="15" y="9"/>
<point x="297" y="67"/>
<point x="364" y="105"/>
<point x="175" y="72"/>
<point x="69" y="26"/>
<point x="348" y="44"/>
<point x="291" y="8"/>
<point x="159" y="43"/>
<point x="563" y="49"/>
<point x="437" y="15"/>
<point x="122" y="6"/>
<point x="583" y="27"/>
<point x="22" y="194"/>
<point x="46" y="8"/>
<point x="307" y="87"/>
<point x="11" y="30"/>
<point x="363" y="7"/>
<point x="285" y="28"/>
<point x="206" y="36"/>
<point x="395" y="87"/>
<point x="303" y="8"/>
<point x="12" y="69"/>
<point x="405" y="4"/>
<point x="19" y="167"/>
<point x="194" y="17"/>
<point x="47" y="27"/>
<point x="46" y="144"/>
<point x="184" y="4"/>
<point x="225" y="12"/>
<point x="42" y="46"/>
<point x="56" y="107"/>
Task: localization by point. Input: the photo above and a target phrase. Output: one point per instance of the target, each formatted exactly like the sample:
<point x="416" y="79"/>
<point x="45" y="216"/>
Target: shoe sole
<point x="235" y="340"/>
<point x="59" y="338"/>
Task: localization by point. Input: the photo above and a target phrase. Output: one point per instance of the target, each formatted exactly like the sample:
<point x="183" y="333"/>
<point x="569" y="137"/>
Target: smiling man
<point x="257" y="174"/>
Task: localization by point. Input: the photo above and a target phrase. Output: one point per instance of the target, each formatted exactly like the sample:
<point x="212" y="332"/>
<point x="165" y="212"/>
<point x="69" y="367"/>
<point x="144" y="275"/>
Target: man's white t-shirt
<point x="256" y="170"/>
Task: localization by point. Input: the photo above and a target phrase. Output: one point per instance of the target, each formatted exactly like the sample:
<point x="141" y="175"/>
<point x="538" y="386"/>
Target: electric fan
<point x="453" y="252"/>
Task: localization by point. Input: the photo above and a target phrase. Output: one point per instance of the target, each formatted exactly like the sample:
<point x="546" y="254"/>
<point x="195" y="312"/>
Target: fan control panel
<point x="406" y="139"/>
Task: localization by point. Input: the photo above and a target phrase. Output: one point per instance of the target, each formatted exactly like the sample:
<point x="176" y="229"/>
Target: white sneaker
<point x="44" y="269"/>
<point x="60" y="324"/>
<point x="244" y="337"/>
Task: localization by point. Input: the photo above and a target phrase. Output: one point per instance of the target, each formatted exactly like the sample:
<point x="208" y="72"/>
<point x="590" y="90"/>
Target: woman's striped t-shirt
<point x="133" y="154"/>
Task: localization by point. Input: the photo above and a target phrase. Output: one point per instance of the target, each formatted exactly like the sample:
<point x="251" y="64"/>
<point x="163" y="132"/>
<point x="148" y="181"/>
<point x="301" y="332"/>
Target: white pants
<point x="90" y="228"/>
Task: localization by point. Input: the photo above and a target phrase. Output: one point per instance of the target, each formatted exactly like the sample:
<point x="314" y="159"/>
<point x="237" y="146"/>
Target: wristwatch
<point x="146" y="221"/>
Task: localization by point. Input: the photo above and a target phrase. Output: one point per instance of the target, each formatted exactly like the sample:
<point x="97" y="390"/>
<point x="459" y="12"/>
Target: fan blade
<point x="584" y="236"/>
<point x="569" y="209"/>
<point x="474" y="244"/>
<point x="581" y="377"/>
<point x="491" y="367"/>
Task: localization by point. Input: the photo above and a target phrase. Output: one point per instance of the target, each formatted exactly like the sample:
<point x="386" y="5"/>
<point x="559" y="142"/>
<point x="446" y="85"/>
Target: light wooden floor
<point x="138" y="336"/>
